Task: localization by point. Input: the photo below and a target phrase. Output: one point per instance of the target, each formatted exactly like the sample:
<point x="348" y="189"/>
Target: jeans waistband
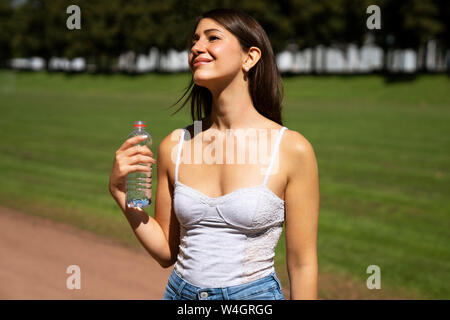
<point x="180" y="285"/>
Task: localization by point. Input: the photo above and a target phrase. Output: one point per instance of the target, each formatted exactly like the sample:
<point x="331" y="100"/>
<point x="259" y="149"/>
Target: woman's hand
<point x="147" y="230"/>
<point x="126" y="161"/>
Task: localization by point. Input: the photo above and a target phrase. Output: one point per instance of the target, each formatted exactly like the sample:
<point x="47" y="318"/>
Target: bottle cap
<point x="139" y="124"/>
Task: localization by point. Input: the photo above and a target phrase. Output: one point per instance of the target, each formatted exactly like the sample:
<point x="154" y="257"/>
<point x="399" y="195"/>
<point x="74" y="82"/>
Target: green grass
<point x="383" y="151"/>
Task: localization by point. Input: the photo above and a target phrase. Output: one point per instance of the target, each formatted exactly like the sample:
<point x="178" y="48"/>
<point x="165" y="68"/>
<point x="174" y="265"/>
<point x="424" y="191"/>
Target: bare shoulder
<point x="295" y="143"/>
<point x="167" y="150"/>
<point x="298" y="152"/>
<point x="170" y="140"/>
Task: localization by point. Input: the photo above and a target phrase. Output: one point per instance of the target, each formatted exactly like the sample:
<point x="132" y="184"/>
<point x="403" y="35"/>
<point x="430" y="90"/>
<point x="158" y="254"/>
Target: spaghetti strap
<point x="273" y="155"/>
<point x="180" y="145"/>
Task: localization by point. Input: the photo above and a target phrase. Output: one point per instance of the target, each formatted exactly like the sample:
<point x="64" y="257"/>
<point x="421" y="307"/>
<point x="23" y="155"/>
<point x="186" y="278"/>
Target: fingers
<point x="131" y="142"/>
<point x="131" y="157"/>
<point x="134" y="153"/>
<point x="141" y="168"/>
<point x="144" y="150"/>
<point x="141" y="159"/>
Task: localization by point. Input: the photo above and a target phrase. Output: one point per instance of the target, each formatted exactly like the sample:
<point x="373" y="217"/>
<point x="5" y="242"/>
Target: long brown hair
<point x="265" y="83"/>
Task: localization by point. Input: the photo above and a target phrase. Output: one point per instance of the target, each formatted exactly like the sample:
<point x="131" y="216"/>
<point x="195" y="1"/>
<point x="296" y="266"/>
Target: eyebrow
<point x="195" y="36"/>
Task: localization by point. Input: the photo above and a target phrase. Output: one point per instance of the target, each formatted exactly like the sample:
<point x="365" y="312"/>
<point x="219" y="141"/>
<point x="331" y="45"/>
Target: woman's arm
<point x="302" y="213"/>
<point x="159" y="235"/>
<point x="164" y="213"/>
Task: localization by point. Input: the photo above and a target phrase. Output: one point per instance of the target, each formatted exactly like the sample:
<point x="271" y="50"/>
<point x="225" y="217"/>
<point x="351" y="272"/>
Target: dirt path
<point x="35" y="254"/>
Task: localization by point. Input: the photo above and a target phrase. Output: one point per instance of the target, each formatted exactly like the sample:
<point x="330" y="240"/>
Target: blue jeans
<point x="267" y="288"/>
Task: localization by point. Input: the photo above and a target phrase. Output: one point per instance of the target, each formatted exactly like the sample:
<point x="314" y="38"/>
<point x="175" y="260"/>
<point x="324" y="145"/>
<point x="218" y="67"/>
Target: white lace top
<point x="227" y="240"/>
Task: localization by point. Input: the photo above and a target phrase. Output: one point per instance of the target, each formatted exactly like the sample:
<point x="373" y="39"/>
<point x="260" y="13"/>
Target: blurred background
<point x="374" y="104"/>
<point x="308" y="36"/>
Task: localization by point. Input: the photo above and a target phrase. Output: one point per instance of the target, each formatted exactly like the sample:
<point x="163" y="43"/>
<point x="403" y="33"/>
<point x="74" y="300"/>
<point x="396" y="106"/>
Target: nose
<point x="196" y="50"/>
<point x="199" y="46"/>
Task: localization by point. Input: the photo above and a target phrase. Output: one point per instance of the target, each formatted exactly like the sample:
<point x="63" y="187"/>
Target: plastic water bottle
<point x="139" y="185"/>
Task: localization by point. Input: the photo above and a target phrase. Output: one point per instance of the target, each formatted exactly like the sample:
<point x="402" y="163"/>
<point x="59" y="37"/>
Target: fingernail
<point x="144" y="137"/>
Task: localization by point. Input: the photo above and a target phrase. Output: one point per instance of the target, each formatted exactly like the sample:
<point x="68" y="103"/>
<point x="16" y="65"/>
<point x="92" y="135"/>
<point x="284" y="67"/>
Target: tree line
<point x="112" y="27"/>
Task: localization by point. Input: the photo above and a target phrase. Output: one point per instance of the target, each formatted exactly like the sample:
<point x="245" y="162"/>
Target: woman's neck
<point x="232" y="109"/>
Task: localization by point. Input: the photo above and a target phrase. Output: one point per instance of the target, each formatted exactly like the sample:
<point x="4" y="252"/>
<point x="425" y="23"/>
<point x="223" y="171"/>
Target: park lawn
<point x="382" y="147"/>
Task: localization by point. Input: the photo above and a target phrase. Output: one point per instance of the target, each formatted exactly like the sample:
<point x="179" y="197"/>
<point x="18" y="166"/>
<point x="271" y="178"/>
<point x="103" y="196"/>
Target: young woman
<point x="218" y="222"/>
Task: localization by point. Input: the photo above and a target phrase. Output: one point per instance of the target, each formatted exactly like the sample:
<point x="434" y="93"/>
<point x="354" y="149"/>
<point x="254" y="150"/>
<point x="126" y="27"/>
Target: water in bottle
<point x="139" y="184"/>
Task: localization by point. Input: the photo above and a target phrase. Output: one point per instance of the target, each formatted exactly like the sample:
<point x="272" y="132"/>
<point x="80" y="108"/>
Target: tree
<point x="316" y="22"/>
<point x="6" y="29"/>
<point x="29" y="29"/>
<point x="112" y="27"/>
<point x="409" y="24"/>
<point x="40" y="29"/>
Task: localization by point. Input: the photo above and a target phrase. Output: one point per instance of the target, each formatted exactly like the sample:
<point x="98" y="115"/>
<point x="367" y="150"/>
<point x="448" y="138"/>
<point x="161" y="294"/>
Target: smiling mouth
<point x="201" y="62"/>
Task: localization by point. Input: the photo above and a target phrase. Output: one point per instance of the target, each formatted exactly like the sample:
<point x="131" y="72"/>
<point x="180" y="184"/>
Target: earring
<point x="246" y="69"/>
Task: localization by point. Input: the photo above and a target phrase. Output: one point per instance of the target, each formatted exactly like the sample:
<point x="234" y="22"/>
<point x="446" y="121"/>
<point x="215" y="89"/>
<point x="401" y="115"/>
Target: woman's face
<point x="220" y="48"/>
